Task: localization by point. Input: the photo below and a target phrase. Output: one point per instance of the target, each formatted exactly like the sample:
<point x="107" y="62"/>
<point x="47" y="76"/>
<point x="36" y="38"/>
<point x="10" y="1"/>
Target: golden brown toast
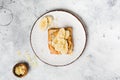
<point x="54" y="34"/>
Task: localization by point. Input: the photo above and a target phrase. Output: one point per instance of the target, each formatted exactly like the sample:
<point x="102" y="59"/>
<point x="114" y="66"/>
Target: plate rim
<point x="78" y="18"/>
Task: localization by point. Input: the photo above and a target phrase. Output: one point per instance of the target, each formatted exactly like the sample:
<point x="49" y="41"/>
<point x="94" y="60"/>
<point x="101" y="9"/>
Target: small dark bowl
<point x="18" y="64"/>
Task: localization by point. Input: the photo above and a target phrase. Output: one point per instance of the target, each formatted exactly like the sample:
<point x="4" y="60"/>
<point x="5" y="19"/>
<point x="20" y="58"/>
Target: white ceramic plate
<point x="39" y="39"/>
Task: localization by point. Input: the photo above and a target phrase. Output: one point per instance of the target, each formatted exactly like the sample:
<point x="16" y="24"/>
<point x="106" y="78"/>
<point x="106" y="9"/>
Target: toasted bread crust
<point x="52" y="32"/>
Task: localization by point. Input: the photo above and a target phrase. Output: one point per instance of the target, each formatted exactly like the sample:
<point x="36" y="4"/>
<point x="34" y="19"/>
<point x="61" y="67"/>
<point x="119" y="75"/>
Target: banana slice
<point x="43" y="23"/>
<point x="60" y="45"/>
<point x="67" y="34"/>
<point x="46" y="22"/>
<point x="59" y="42"/>
<point x="65" y="47"/>
<point x="50" y="19"/>
<point x="61" y="33"/>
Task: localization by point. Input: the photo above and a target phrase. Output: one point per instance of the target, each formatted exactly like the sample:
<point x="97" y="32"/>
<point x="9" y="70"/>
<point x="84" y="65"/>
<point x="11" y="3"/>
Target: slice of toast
<point x="53" y="33"/>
